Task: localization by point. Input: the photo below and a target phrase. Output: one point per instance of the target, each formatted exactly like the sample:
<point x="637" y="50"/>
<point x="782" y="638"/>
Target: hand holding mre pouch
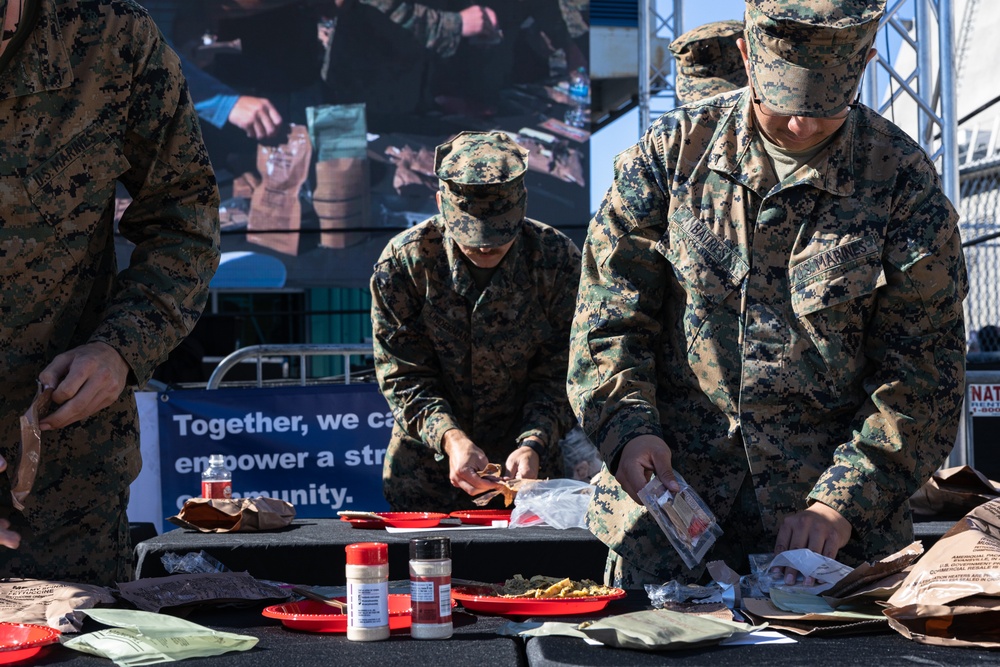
<point x="230" y="515"/>
<point x="28" y="459"/>
<point x="275" y="217"/>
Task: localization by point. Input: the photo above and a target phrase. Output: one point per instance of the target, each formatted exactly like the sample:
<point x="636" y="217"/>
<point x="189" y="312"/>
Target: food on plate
<point x="504" y="487"/>
<point x="551" y="587"/>
<point x="491" y="470"/>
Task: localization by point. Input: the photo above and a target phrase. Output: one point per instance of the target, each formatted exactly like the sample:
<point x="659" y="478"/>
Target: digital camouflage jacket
<point x="808" y="333"/>
<point x="492" y="364"/>
<point x="91" y="98"/>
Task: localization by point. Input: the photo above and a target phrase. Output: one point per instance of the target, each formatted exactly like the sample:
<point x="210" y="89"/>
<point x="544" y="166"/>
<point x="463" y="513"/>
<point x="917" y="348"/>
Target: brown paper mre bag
<point x="229" y="515"/>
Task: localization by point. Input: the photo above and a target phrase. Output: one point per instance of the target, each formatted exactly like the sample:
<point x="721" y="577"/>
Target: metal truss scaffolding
<point x="926" y="43"/>
<point x="657" y="86"/>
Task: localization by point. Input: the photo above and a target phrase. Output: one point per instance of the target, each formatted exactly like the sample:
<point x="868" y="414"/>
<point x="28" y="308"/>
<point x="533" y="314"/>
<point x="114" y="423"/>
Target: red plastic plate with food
<point x="485" y="600"/>
<point x="20" y="641"/>
<point x="481" y="517"/>
<point x="394" y="519"/>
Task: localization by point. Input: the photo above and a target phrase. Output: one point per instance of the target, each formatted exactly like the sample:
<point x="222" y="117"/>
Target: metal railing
<point x="300" y="350"/>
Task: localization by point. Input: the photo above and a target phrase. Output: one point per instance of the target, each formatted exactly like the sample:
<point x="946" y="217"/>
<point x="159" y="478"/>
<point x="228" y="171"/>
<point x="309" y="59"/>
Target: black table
<point x="886" y="648"/>
<point x="475" y="643"/>
<point x="311" y="551"/>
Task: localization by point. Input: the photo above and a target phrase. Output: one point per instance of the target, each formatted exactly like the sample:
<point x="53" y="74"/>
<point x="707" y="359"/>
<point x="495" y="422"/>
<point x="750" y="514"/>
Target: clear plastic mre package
<point x="683" y="517"/>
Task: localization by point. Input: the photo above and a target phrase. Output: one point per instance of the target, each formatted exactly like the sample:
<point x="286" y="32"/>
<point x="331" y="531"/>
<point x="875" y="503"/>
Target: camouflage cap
<point x="807" y="56"/>
<point x="708" y="61"/>
<point x="482" y="187"/>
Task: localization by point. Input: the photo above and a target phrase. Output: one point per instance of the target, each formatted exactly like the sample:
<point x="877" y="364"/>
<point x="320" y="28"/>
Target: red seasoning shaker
<point x="430" y="588"/>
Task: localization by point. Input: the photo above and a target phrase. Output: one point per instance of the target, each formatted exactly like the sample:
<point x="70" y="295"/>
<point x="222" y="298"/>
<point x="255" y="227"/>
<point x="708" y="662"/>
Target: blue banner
<point x="319" y="448"/>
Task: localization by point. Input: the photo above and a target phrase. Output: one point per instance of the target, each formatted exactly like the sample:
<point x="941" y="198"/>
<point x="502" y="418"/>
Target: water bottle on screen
<point x="216" y="480"/>
<point x="579" y="98"/>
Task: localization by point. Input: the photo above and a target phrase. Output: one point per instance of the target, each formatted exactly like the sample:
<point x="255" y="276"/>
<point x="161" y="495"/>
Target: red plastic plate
<point x="481" y="517"/>
<point x="399" y="520"/>
<point x="482" y="600"/>
<point x="314" y="616"/>
<point x="20" y="641"/>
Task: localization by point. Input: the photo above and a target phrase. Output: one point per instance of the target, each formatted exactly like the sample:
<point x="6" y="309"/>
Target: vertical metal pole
<point x="678" y="31"/>
<point x="925" y="71"/>
<point x="949" y="104"/>
<point x="869" y="87"/>
<point x="645" y="37"/>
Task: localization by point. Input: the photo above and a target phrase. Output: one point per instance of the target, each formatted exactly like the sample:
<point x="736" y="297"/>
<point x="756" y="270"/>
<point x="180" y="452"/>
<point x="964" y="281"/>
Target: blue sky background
<point x="624" y="132"/>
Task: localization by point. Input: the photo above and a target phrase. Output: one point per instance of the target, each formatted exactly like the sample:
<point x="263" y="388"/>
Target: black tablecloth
<point x="311" y="551"/>
<point x="885" y="648"/>
<point x="475" y="641"/>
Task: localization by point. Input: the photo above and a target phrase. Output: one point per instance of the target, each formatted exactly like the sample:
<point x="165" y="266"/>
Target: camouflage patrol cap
<point x="708" y="61"/>
<point x="807" y="56"/>
<point x="482" y="187"/>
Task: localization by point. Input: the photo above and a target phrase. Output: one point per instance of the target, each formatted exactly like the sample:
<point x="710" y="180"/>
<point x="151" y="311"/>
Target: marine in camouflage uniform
<point x="91" y="97"/>
<point x="798" y="345"/>
<point x="460" y="349"/>
<point x="708" y="61"/>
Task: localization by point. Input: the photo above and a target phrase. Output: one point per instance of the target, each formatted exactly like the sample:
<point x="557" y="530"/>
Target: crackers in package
<point x="683" y="517"/>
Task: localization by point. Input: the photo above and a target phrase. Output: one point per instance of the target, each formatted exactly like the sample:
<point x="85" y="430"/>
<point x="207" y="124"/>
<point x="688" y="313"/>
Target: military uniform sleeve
<point x="173" y="219"/>
<point x="405" y="363"/>
<point x="546" y="413"/>
<point x="916" y="340"/>
<point x="616" y="328"/>
<point x="437" y="30"/>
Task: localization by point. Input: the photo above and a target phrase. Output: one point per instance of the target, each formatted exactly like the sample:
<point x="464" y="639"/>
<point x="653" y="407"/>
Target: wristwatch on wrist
<point x="532" y="444"/>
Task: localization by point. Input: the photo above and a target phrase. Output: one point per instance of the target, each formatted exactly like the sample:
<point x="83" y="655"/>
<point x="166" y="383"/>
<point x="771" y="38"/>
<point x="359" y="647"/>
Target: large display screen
<point x="321" y="119"/>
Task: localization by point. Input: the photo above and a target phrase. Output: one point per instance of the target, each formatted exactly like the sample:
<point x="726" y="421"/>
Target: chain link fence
<point x="980" y="227"/>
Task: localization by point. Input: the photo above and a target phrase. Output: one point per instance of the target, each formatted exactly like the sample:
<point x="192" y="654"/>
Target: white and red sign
<point x="984" y="400"/>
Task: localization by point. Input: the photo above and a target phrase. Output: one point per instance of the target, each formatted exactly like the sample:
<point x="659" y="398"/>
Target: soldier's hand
<point x="464" y="460"/>
<point x="642" y="458"/>
<point x="478" y="20"/>
<point x="819" y="528"/>
<point x="8" y="538"/>
<point x="523" y="462"/>
<point x="256" y="116"/>
<point x="86" y="379"/>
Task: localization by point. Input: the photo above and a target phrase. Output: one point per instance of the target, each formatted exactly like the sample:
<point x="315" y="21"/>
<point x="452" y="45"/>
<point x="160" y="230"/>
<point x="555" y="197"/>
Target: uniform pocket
<point x="836" y="276"/>
<point x="528" y="330"/>
<point x="707" y="268"/>
<point x="833" y="294"/>
<point x="74" y="188"/>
